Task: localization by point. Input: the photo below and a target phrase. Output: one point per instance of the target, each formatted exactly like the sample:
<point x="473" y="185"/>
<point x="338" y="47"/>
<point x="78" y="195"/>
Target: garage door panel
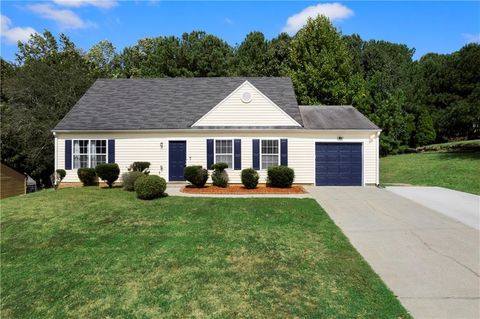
<point x="338" y="164"/>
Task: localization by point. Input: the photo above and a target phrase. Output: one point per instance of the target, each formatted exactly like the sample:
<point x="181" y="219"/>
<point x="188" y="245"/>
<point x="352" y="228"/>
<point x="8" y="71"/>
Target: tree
<point x="320" y="64"/>
<point x="425" y="133"/>
<point x="50" y="77"/>
<point x="104" y="58"/>
<point x="252" y="55"/>
<point x="204" y="55"/>
<point x="278" y="50"/>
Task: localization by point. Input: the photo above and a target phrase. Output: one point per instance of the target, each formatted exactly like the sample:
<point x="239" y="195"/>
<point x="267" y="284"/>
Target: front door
<point x="177" y="154"/>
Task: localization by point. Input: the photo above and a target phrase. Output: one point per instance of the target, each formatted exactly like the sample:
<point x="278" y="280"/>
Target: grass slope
<point x="459" y="171"/>
<point x="94" y="253"/>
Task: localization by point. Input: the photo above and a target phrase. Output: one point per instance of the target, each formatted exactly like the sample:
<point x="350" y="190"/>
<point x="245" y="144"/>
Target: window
<point x="269" y="153"/>
<point x="89" y="153"/>
<point x="224" y="152"/>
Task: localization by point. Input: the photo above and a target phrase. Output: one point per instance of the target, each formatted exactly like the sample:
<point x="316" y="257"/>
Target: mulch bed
<point x="240" y="189"/>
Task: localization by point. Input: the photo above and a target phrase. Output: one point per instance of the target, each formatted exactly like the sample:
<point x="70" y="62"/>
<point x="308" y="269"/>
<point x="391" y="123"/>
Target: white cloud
<point x="471" y="38"/>
<point x="333" y="11"/>
<point x="228" y="20"/>
<point x="15" y="34"/>
<point x="67" y="19"/>
<point x="104" y="4"/>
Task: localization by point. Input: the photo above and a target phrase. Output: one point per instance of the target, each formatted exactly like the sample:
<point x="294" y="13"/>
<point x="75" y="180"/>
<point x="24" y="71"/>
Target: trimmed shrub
<point x="220" y="166"/>
<point x="58" y="177"/>
<point x="140" y="167"/>
<point x="129" y="179"/>
<point x="150" y="186"/>
<point x="219" y="175"/>
<point x="196" y="175"/>
<point x="280" y="176"/>
<point x="108" y="172"/>
<point x="87" y="176"/>
<point x="249" y="178"/>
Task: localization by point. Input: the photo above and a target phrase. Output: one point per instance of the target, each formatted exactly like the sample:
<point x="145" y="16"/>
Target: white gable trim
<point x="293" y="122"/>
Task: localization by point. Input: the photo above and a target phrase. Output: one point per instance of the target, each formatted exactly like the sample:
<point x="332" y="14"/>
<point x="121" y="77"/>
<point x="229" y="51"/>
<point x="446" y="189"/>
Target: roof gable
<point x="246" y="106"/>
<point x="166" y="103"/>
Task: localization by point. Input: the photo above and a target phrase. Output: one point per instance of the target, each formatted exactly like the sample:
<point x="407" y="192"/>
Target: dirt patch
<point x="239" y="189"/>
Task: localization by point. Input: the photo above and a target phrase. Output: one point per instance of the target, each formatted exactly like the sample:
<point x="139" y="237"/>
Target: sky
<point x="440" y="27"/>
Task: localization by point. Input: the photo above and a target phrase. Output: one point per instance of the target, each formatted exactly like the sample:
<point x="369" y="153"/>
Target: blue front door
<point x="338" y="164"/>
<point x="177" y="154"/>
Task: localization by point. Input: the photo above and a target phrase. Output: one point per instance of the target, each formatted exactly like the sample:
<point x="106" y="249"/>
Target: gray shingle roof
<point x="333" y="117"/>
<point x="167" y="103"/>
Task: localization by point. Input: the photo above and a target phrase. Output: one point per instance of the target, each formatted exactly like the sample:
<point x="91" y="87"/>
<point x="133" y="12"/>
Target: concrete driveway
<point x="430" y="261"/>
<point x="460" y="206"/>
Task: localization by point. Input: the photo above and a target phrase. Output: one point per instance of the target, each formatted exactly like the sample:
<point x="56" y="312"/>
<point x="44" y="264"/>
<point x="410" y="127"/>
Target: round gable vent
<point x="246" y="97"/>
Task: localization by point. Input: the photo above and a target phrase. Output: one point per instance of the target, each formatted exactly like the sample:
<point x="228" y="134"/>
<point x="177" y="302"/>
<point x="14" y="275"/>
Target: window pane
<point x="269" y="146"/>
<point x="225" y="159"/>
<point x="80" y="147"/>
<point x="80" y="161"/>
<point x="97" y="159"/>
<point x="223" y="146"/>
<point x="269" y="160"/>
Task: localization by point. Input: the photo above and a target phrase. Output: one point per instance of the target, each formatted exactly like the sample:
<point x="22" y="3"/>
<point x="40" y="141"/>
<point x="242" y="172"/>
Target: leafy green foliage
<point x="58" y="177"/>
<point x="250" y="178"/>
<point x="140" y="167"/>
<point x="219" y="175"/>
<point x="108" y="172"/>
<point x="61" y="173"/>
<point x="129" y="178"/>
<point x="196" y="175"/>
<point x="320" y="64"/>
<point x="425" y="133"/>
<point x="87" y="176"/>
<point x="280" y="176"/>
<point x="150" y="187"/>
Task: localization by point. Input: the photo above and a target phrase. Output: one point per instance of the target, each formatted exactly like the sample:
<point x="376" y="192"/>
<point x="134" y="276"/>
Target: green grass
<point x="459" y="171"/>
<point x="91" y="253"/>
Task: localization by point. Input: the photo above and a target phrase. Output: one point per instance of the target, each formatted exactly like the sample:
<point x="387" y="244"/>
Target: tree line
<point x="415" y="103"/>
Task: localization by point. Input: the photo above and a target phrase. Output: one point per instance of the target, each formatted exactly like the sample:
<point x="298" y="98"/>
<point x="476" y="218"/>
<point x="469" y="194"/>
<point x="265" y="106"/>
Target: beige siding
<point x="232" y="111"/>
<point x="139" y="146"/>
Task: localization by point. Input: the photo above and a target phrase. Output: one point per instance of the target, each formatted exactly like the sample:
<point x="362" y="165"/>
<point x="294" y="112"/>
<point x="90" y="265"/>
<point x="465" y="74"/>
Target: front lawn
<point x="459" y="171"/>
<point x="96" y="253"/>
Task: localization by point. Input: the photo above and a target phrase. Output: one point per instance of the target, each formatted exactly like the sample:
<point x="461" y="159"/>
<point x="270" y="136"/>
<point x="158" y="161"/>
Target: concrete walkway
<point x="174" y="190"/>
<point x="430" y="261"/>
<point x="460" y="206"/>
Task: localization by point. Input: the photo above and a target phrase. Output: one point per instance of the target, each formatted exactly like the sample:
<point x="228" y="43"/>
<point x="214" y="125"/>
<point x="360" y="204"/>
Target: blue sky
<point x="441" y="27"/>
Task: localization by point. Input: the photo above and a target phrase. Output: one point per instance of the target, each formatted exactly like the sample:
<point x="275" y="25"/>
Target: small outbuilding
<point x="12" y="183"/>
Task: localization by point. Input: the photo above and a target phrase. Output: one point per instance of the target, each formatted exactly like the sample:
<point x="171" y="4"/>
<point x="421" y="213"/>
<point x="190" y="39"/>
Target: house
<point x="245" y="122"/>
<point x="12" y="183"/>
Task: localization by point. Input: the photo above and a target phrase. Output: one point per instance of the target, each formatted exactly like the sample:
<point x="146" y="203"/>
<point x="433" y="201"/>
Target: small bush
<point x="129" y="179"/>
<point x="219" y="175"/>
<point x="280" y="176"/>
<point x="58" y="177"/>
<point x="196" y="175"/>
<point x="250" y="178"/>
<point x="87" y="176"/>
<point x="108" y="172"/>
<point x="150" y="186"/>
<point x="220" y="166"/>
<point x="140" y="167"/>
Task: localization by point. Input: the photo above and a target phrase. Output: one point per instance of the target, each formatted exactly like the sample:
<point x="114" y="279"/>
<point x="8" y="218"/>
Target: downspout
<point x="378" y="158"/>
<point x="56" y="156"/>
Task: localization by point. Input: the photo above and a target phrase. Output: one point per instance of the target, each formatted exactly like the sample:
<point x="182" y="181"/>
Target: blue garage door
<point x="338" y="164"/>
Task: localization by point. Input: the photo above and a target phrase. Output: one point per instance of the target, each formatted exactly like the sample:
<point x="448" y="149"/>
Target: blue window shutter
<point x="209" y="153"/>
<point x="237" y="158"/>
<point x="68" y="154"/>
<point x="284" y="152"/>
<point x="111" y="151"/>
<point x="256" y="154"/>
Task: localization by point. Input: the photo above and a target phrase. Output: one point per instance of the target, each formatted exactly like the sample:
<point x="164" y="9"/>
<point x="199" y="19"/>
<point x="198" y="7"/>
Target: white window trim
<point x="88" y="151"/>
<point x="261" y="153"/>
<point x="215" y="151"/>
